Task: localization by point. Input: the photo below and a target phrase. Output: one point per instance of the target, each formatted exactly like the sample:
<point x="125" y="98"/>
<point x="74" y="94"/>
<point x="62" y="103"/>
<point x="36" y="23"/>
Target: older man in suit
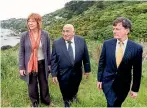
<point x="68" y="53"/>
<point x="120" y="62"/>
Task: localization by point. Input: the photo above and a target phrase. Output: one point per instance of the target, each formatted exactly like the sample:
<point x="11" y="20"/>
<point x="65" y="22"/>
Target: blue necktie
<point x="70" y="51"/>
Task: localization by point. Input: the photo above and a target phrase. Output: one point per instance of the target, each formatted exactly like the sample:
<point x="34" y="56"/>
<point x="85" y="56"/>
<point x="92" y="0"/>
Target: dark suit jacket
<point x="120" y="78"/>
<point x="60" y="59"/>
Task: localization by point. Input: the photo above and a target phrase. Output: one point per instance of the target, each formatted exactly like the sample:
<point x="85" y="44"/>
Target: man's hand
<point x="86" y="75"/>
<point x="55" y="80"/>
<point x="22" y="72"/>
<point x="133" y="94"/>
<point x="99" y="85"/>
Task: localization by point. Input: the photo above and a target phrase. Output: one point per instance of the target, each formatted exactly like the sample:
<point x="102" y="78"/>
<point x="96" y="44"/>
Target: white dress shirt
<point x="123" y="46"/>
<point x="40" y="52"/>
<point x="72" y="45"/>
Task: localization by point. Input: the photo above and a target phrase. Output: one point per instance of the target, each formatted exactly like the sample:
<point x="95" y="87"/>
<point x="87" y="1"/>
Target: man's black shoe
<point x="75" y="99"/>
<point x="66" y="104"/>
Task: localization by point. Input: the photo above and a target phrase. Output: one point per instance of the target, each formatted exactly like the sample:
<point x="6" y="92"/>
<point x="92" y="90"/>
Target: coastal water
<point x="8" y="37"/>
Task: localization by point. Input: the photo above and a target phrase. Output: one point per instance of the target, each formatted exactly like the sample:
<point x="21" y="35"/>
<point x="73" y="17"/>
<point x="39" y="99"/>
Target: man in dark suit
<point x="68" y="53"/>
<point x="119" y="63"/>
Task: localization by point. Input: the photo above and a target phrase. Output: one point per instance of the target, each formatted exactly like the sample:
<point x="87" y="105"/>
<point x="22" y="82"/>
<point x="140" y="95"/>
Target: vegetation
<point x="93" y="20"/>
<point x="18" y="25"/>
<point x="14" y="91"/>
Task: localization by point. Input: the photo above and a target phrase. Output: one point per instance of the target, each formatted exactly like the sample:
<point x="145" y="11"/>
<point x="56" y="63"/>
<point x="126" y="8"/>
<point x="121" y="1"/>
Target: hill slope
<point x="92" y="19"/>
<point x="14" y="91"/>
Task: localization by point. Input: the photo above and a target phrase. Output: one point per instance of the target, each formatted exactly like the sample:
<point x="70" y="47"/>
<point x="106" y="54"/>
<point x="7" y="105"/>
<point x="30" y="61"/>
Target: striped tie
<point x="70" y="51"/>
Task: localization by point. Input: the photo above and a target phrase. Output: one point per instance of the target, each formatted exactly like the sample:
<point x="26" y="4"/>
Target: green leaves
<point x="92" y="19"/>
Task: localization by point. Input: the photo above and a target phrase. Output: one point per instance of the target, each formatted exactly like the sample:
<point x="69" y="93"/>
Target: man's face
<point x="68" y="33"/>
<point x="120" y="32"/>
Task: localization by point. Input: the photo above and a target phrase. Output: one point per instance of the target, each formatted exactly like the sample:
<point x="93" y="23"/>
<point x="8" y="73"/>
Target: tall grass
<point x="14" y="91"/>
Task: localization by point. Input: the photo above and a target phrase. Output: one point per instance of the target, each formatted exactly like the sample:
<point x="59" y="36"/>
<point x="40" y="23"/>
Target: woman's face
<point x="32" y="24"/>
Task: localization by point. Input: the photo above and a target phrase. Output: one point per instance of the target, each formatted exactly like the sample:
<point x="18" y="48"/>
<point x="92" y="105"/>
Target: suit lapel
<point x="29" y="41"/>
<point x="64" y="49"/>
<point x="127" y="50"/>
<point x="113" y="49"/>
<point x="126" y="53"/>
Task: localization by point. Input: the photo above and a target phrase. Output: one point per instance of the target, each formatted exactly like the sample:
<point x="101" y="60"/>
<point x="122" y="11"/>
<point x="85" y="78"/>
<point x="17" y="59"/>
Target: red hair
<point x="37" y="18"/>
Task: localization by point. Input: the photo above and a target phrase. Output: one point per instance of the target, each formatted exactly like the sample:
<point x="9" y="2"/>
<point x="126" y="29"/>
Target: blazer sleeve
<point x="48" y="50"/>
<point x="54" y="61"/>
<point x="22" y="53"/>
<point x="102" y="62"/>
<point x="137" y="70"/>
<point x="86" y="60"/>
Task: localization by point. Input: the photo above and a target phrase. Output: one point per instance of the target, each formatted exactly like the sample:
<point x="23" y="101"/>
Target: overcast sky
<point x="22" y="8"/>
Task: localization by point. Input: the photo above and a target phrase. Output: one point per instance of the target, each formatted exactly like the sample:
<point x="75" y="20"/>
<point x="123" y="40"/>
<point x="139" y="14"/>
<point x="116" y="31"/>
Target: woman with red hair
<point x="34" y="60"/>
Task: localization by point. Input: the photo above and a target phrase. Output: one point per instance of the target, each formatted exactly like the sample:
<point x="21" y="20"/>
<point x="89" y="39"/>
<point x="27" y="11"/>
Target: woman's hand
<point x="22" y="72"/>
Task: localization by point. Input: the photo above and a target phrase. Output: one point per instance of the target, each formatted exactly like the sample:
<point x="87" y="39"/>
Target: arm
<point x="54" y="61"/>
<point x="86" y="60"/>
<point x="48" y="52"/>
<point x="21" y="53"/>
<point x="137" y="70"/>
<point x="54" y="64"/>
<point x="101" y="66"/>
<point x="21" y="56"/>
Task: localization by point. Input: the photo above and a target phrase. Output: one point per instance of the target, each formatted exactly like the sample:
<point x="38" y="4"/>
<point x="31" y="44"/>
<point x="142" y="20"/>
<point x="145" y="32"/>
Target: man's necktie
<point x="119" y="54"/>
<point x="70" y="51"/>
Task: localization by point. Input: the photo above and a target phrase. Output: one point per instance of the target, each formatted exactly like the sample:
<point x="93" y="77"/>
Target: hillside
<point x="14" y="91"/>
<point x="92" y="19"/>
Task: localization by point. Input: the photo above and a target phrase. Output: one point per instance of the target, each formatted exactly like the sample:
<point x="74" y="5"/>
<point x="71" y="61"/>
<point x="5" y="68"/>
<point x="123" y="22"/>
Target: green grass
<point x="14" y="91"/>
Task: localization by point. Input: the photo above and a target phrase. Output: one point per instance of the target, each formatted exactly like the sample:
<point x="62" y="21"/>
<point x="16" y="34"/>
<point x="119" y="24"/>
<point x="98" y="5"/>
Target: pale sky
<point x="22" y="8"/>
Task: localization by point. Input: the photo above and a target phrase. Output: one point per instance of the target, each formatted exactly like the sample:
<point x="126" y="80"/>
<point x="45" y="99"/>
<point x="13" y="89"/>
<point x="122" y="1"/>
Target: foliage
<point x="14" y="91"/>
<point x="94" y="22"/>
<point x="92" y="19"/>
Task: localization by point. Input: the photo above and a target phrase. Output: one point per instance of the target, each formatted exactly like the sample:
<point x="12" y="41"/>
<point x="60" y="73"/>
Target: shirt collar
<point x="72" y="40"/>
<point x="124" y="42"/>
